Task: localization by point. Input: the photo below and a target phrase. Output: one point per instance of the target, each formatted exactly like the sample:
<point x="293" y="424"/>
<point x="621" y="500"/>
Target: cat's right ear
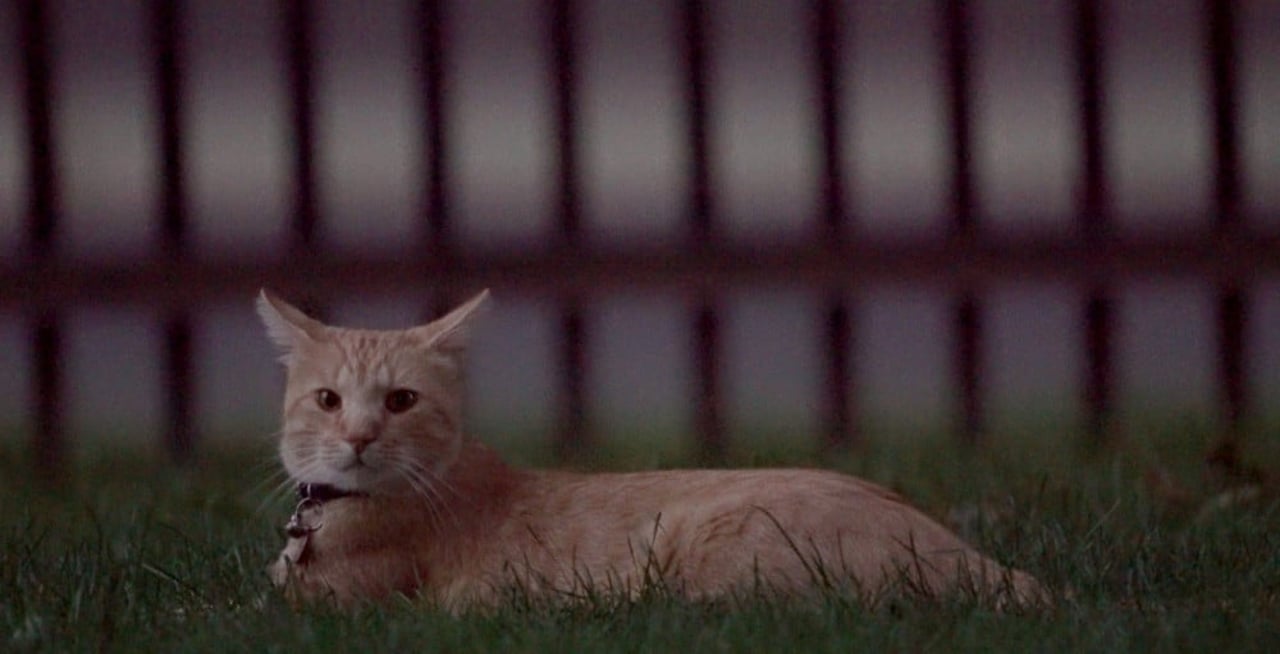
<point x="287" y="326"/>
<point x="450" y="332"/>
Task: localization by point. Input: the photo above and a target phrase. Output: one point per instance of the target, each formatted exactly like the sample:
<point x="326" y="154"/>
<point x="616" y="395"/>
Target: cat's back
<point x="680" y="491"/>
<point x="710" y="505"/>
<point x="713" y="529"/>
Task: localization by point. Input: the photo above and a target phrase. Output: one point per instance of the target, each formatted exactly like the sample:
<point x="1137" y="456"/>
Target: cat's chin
<point x="355" y="479"/>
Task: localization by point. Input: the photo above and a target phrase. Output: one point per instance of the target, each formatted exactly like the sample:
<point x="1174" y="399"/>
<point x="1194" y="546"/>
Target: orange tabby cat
<point x="396" y="498"/>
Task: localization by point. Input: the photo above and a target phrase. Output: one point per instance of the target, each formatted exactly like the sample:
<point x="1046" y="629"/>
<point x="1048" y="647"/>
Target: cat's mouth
<point x="355" y="471"/>
<point x="349" y="461"/>
<point x="354" y="463"/>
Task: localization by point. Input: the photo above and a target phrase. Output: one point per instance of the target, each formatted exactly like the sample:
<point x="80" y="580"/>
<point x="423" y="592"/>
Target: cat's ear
<point x="451" y="331"/>
<point x="287" y="326"/>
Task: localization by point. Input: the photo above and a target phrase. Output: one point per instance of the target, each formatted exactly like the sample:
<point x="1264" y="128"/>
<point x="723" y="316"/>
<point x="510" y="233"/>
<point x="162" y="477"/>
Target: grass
<point x="130" y="555"/>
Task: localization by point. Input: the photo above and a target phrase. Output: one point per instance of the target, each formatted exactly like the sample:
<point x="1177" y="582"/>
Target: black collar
<point x="323" y="493"/>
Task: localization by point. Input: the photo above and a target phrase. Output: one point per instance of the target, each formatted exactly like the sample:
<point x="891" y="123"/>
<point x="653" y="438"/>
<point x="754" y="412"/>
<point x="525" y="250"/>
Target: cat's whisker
<point x="267" y="476"/>
<point x="422" y="484"/>
<point x="416" y="458"/>
<point x="310" y="463"/>
<point x="435" y="487"/>
<point x="422" y="489"/>
<point x="278" y="482"/>
<point x="281" y="485"/>
<point x="444" y="483"/>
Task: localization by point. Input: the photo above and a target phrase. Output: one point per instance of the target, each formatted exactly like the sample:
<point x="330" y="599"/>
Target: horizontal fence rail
<point x="837" y="260"/>
<point x="952" y="265"/>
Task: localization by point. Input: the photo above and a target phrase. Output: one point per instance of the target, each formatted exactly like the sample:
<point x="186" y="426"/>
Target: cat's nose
<point x="360" y="440"/>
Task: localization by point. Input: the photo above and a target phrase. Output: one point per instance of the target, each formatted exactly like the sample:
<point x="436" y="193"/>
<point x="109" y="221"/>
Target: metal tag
<point x="299" y="529"/>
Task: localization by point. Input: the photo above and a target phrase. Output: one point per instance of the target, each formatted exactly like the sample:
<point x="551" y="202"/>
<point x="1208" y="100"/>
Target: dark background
<point x="369" y="149"/>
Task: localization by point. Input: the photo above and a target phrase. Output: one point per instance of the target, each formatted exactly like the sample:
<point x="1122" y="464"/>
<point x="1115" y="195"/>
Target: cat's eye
<point x="401" y="400"/>
<point x="328" y="400"/>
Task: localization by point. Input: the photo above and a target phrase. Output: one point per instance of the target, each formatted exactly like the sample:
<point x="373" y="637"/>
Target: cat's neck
<point x="480" y="472"/>
<point x="461" y="502"/>
<point x="476" y="490"/>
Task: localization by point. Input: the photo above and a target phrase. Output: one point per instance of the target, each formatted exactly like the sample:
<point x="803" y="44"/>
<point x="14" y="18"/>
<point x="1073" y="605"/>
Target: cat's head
<point x="372" y="411"/>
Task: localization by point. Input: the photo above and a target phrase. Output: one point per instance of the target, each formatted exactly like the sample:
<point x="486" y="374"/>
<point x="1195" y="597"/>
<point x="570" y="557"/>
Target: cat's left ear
<point x="287" y="325"/>
<point x="451" y="332"/>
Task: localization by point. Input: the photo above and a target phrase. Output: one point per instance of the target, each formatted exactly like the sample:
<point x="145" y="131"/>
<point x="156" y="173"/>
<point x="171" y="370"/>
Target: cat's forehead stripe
<point x="366" y="356"/>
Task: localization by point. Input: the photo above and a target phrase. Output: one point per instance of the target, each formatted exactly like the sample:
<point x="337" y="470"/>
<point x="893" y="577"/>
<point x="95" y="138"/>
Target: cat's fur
<point x="441" y="515"/>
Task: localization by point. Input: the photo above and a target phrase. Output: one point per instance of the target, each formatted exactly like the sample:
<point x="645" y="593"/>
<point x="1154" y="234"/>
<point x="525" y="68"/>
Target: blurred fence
<point x="964" y="260"/>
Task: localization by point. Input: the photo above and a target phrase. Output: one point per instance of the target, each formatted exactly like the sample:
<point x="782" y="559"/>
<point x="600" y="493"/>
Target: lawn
<point x="1159" y="551"/>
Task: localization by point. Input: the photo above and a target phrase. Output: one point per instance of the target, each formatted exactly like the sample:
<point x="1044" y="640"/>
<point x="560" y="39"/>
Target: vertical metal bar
<point x="1095" y="215"/>
<point x="42" y="212"/>
<point x="573" y="437"/>
<point x="827" y="57"/>
<point x="47" y="390"/>
<point x="168" y="37"/>
<point x="48" y="393"/>
<point x="969" y="366"/>
<point x="1099" y="370"/>
<point x="434" y="51"/>
<point x="709" y="417"/>
<point x="832" y="225"/>
<point x="696" y="46"/>
<point x="433" y="30"/>
<point x="840" y="426"/>
<point x="179" y="386"/>
<point x="958" y="60"/>
<point x="1233" y="314"/>
<point x="1095" y="222"/>
<point x="1226" y="150"/>
<point x="966" y="322"/>
<point x="562" y="33"/>
<point x="304" y="224"/>
<point x="298" y="28"/>
<point x="167" y="40"/>
<point x="1233" y="309"/>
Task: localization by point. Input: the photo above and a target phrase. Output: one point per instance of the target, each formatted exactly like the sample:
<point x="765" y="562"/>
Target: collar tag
<point x="303" y="522"/>
<point x="306" y="518"/>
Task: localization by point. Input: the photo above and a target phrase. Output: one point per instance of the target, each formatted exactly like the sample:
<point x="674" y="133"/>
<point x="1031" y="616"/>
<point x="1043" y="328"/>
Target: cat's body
<point x="434" y="513"/>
